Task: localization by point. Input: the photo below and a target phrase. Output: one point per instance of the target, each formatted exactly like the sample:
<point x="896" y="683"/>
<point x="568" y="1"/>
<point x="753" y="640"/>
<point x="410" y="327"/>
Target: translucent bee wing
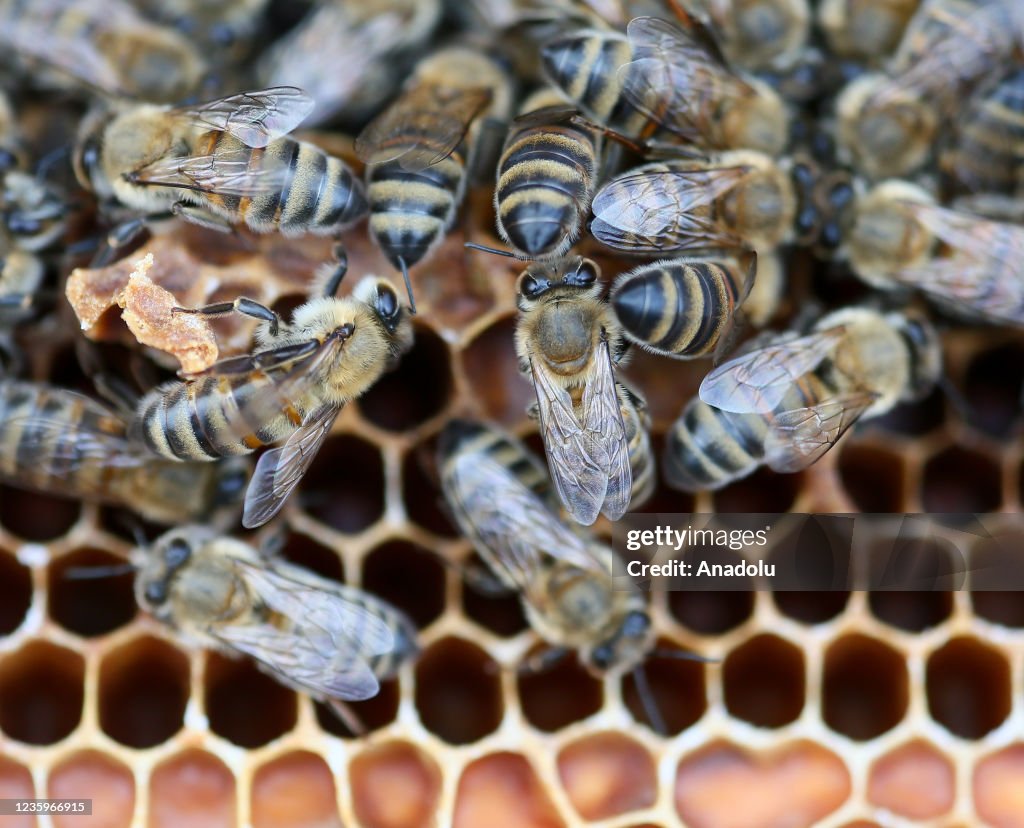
<point x="421" y="128"/>
<point x="261" y="360"/>
<point x="662" y="210"/>
<point x="255" y="118"/>
<point x="758" y="380"/>
<point x="547" y="116"/>
<point x="800" y="437"/>
<point x="279" y="470"/>
<point x="229" y="173"/>
<point x="602" y="418"/>
<point x="59" y="448"/>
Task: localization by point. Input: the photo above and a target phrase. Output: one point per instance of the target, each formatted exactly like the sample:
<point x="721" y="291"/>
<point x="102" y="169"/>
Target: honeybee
<point x="568" y="342"/>
<point x="225" y="29"/>
<point x="563" y="580"/>
<point x="786" y="403"/>
<point x="12" y="153"/>
<point x="664" y="85"/>
<point x="738" y="199"/>
<point x="417" y="150"/>
<point x="865" y="30"/>
<point x="34" y="216"/>
<point x="103" y="44"/>
<point x="21" y="276"/>
<point x="220" y="163"/>
<point x="292" y="389"/>
<point x="760" y="34"/>
<point x="546" y="177"/>
<point x="681" y="307"/>
<point x="887" y="124"/>
<point x="901" y="238"/>
<point x="58" y="442"/>
<point x="334" y="642"/>
<point x="987" y="156"/>
<point x="348" y="54"/>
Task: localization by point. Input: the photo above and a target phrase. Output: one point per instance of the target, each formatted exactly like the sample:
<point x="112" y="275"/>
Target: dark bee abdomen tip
<point x="535" y="235"/>
<point x="635" y="304"/>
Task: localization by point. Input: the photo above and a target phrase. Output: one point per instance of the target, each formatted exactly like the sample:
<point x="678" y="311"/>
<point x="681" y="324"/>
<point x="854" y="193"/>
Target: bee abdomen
<point x="707" y="449"/>
<point x="989" y="157"/>
<point x="677" y="308"/>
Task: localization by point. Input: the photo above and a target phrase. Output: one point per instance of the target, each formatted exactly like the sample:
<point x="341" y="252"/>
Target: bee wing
<point x="547" y="116"/>
<point x="673" y="74"/>
<point x="227" y="173"/>
<point x="422" y="128"/>
<point x="280" y="470"/>
<point x="255" y="118"/>
<point x="661" y="210"/>
<point x="758" y="380"/>
<point x="510" y="526"/>
<point x="602" y="419"/>
<point x="259" y="361"/>
<point x="798" y="438"/>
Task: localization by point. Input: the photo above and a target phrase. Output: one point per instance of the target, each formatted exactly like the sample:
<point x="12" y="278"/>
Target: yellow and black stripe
<point x="461" y="436"/>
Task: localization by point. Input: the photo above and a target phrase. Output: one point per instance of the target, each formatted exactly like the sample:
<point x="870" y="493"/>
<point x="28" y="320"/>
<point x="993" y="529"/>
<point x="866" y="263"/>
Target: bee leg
<point x="242" y="305"/>
<point x="201" y="217"/>
<point x="543" y="661"/>
<point x="650" y="704"/>
<point x="347" y="717"/>
<point x="117" y="239"/>
<point x="111" y="388"/>
<point x="338" y="274"/>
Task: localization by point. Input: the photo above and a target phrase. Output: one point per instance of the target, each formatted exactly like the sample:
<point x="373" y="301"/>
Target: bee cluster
<point x="363" y="532"/>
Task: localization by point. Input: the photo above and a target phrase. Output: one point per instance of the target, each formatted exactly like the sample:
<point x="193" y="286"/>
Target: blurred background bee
<point x="901" y="239"/>
<point x="334" y="642"/>
<point x="58" y="442"/>
<point x="223" y="29"/>
<point x="219" y="164"/>
<point x="865" y="31"/>
<point x="786" y="402"/>
<point x="666" y="87"/>
<point x="100" y="45"/>
<point x="291" y="389"/>
<point x="418" y="149"/>
<point x="758" y="35"/>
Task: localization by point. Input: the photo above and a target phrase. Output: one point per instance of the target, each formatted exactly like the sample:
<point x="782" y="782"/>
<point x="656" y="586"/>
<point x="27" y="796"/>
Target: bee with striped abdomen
<point x="546" y="177"/>
<point x="332" y="641"/>
<point x="58" y="442"/>
<point x="222" y="163"/>
<point x="867" y="31"/>
<point x="662" y="84"/>
<point x="784" y="404"/>
<point x="417" y="150"/>
<point x="760" y="34"/>
<point x="292" y="389"/>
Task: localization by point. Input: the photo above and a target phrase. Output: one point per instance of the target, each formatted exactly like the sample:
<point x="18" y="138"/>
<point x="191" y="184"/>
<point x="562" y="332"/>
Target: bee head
<point x="540" y="277"/>
<point x="86" y="159"/>
<point x="169" y="554"/>
<point x="925" y="350"/>
<point x="626" y="645"/>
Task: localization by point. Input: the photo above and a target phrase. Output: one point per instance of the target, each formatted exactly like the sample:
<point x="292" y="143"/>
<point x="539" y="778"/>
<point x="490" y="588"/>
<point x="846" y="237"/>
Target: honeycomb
<point x="826" y="709"/>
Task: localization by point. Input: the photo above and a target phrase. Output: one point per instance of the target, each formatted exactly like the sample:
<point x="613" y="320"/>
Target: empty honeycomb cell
<point x="424" y="504"/>
<point x="711" y="613"/>
<point x="993" y="386"/>
<point x="998" y="599"/>
<point x="968" y="687"/>
<point x="143" y="690"/>
<point x="303" y="551"/>
<point x="492" y="369"/>
<point x="194" y="788"/>
<point x="557" y="695"/>
<point x="764" y="491"/>
<point x="15" y="592"/>
<point x="92" y="775"/>
<point x="501" y="613"/>
<point x="724" y="786"/>
<point x="244" y="705"/>
<point x="16" y="783"/>
<point x="502" y="791"/>
<point x="913" y="419"/>
<point x="409" y="576"/>
<point x="607" y="774"/>
<point x="998" y="792"/>
<point x="677" y="694"/>
<point x="416" y="390"/>
<point x="294" y="791"/>
<point x="41" y="693"/>
<point x="372" y="714"/>
<point x="458" y="694"/>
<point x="865" y="687"/>
<point x="1005" y="608"/>
<point x="763" y="681"/>
<point x="90" y="606"/>
<point x="344" y="487"/>
<point x="395" y="785"/>
<point x="914" y="611"/>
<point x="811" y="607"/>
<point x="36" y="517"/>
<point x="914" y="781"/>
<point x="873" y="477"/>
<point x="961" y="480"/>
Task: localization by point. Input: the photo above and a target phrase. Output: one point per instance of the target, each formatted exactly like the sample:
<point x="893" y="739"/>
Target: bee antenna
<point x="494" y="250"/>
<point x="81" y="573"/>
<point x="682" y="655"/>
<point x="408" y="285"/>
<point x="650" y="704"/>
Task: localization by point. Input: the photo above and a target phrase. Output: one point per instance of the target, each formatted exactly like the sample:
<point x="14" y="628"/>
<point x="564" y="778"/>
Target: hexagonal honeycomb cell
<point x="832" y="709"/>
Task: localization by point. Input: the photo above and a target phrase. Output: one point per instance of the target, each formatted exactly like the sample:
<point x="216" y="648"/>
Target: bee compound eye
<point x="156" y="592"/>
<point x="387" y="303"/>
<point x="531" y="286"/>
<point x="586" y="274"/>
<point x="177" y="552"/>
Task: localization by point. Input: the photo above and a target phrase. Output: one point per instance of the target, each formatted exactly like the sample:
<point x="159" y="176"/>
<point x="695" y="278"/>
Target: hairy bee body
<point x="761" y="34"/>
<point x="60" y="442"/>
<point x="546" y="179"/>
<point x="865" y="30"/>
<point x="636" y="421"/>
<point x="873" y="362"/>
<point x="21" y="275"/>
<point x="317" y="636"/>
